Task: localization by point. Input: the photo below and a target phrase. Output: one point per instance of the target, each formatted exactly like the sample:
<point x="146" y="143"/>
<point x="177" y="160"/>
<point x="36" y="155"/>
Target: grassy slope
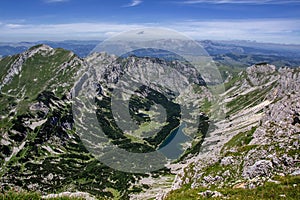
<point x="74" y="169"/>
<point x="12" y="195"/>
<point x="288" y="188"/>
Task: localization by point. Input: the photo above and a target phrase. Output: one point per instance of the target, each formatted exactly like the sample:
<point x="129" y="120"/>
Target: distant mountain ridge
<point x="81" y="48"/>
<point x="234" y="53"/>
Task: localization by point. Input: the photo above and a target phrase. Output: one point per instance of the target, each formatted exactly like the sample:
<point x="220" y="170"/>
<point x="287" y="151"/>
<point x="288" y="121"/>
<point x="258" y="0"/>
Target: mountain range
<point x="231" y="53"/>
<point x="247" y="135"/>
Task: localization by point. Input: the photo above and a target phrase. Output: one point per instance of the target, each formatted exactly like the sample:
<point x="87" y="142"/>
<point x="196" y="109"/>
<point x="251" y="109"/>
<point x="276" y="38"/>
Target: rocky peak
<point x="259" y="74"/>
<point x="42" y="48"/>
<point x="16" y="67"/>
<point x="263" y="68"/>
<point x="110" y="67"/>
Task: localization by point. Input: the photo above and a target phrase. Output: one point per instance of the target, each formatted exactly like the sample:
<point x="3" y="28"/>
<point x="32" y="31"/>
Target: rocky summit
<point x="247" y="136"/>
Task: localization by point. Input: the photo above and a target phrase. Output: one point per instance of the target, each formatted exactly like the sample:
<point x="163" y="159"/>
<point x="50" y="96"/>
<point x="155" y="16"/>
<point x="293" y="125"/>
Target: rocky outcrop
<point x="227" y="161"/>
<point x="261" y="73"/>
<point x="261" y="168"/>
<point x="251" y="157"/>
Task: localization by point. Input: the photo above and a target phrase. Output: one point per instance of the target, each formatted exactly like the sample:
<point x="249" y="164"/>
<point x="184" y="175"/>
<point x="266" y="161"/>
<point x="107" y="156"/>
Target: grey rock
<point x="226" y="173"/>
<point x="296" y="173"/>
<point x="227" y="161"/>
<point x="211" y="180"/>
<point x="259" y="169"/>
<point x="286" y="160"/>
<point x="274" y="159"/>
<point x="210" y="194"/>
<point x="258" y="74"/>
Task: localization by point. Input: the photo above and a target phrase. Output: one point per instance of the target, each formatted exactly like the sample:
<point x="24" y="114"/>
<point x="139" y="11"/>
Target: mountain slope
<point x="40" y="149"/>
<point x="258" y="140"/>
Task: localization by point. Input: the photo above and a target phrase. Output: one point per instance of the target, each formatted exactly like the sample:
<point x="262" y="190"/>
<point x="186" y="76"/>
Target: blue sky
<point x="276" y="21"/>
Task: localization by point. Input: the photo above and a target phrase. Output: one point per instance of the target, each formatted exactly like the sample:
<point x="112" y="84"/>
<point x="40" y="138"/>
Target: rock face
<point x="267" y="100"/>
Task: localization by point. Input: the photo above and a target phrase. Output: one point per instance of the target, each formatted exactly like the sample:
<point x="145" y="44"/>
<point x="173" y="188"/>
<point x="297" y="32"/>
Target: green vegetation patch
<point x="288" y="188"/>
<point x="240" y="140"/>
<point x="13" y="195"/>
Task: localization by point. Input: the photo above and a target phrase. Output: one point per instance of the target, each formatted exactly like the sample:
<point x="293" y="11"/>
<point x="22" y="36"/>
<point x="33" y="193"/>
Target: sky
<point x="276" y="21"/>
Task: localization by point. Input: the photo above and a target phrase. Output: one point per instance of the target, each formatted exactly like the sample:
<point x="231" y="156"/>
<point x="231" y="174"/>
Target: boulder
<point x="261" y="168"/>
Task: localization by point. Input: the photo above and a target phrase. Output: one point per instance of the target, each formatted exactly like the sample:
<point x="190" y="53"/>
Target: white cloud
<point x="241" y="1"/>
<point x="55" y="1"/>
<point x="31" y="32"/>
<point x="134" y="3"/>
<point x="267" y="30"/>
<point x="12" y="26"/>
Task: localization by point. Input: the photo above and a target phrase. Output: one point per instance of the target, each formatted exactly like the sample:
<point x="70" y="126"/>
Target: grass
<point x="197" y="89"/>
<point x="240" y="139"/>
<point x="115" y="193"/>
<point x="13" y="195"/>
<point x="288" y="188"/>
<point x="232" y="82"/>
<point x="250" y="99"/>
<point x="225" y="71"/>
<point x="5" y="64"/>
<point x="148" y="126"/>
<point x="206" y="106"/>
<point x="40" y="72"/>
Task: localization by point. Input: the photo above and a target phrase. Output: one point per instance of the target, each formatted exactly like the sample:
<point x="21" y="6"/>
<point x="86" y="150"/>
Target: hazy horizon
<point x="95" y="40"/>
<point x="267" y="21"/>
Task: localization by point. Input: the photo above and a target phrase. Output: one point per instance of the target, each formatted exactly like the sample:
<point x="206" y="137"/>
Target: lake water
<point x="172" y="147"/>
